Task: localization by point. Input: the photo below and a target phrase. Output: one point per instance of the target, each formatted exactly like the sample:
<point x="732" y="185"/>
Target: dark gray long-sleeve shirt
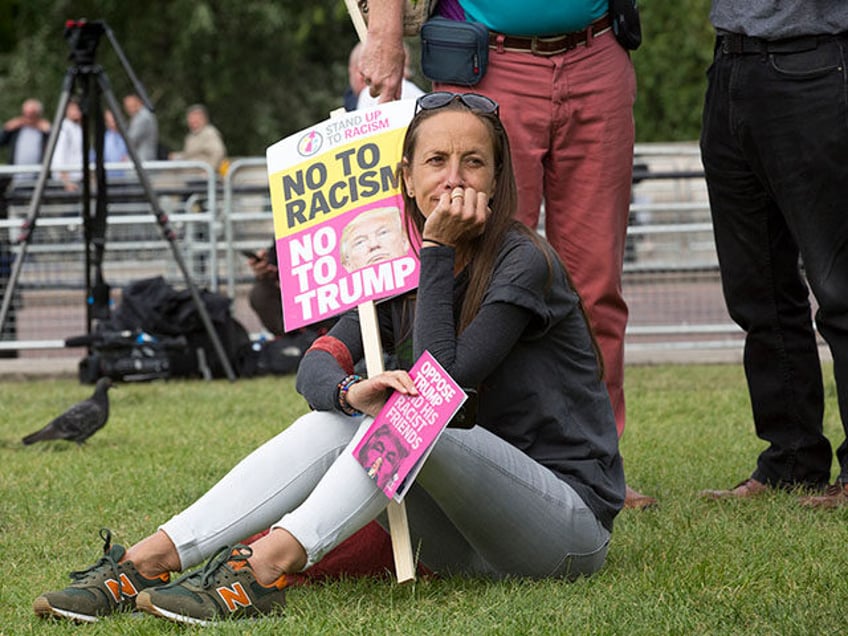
<point x="527" y="351"/>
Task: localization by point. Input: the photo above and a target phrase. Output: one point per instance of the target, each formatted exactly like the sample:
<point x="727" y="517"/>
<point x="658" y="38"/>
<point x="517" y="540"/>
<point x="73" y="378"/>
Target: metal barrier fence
<point x="671" y="275"/>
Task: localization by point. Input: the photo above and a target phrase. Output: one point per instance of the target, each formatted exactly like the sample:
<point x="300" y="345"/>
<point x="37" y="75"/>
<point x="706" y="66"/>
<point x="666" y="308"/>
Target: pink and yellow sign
<point x="338" y="226"/>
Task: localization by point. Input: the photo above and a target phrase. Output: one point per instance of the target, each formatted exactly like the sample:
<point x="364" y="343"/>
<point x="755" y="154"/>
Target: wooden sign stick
<point x="357" y="19"/>
<point x="398" y="522"/>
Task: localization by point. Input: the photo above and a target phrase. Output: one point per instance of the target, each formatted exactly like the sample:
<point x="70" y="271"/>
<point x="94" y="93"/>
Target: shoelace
<point x="106" y="559"/>
<point x="238" y="553"/>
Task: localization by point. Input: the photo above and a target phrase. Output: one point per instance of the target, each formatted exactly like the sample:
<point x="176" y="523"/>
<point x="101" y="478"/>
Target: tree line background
<point x="268" y="68"/>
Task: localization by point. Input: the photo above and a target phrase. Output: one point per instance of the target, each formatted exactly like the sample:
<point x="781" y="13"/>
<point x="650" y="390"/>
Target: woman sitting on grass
<point x="530" y="491"/>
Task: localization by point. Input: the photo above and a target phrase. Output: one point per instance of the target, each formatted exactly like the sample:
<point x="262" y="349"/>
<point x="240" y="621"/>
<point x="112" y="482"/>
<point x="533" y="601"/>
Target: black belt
<point x="549" y="44"/>
<point x="738" y="44"/>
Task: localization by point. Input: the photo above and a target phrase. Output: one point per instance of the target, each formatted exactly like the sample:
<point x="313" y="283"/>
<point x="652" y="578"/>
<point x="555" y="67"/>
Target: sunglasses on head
<point x="440" y="99"/>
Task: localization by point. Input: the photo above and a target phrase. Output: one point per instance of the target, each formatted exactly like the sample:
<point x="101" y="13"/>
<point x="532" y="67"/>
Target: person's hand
<point x="371" y="394"/>
<point x="70" y="185"/>
<point x="459" y="217"/>
<point x="382" y="66"/>
<point x="383" y="58"/>
<point x="43" y="125"/>
<point x="14" y="123"/>
<point x="261" y="267"/>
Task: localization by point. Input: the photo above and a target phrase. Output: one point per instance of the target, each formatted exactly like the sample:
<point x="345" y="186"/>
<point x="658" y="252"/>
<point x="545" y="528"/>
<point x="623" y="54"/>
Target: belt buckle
<point x="536" y="39"/>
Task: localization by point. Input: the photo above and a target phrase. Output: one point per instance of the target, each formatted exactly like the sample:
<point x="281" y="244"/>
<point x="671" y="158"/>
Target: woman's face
<point x="453" y="148"/>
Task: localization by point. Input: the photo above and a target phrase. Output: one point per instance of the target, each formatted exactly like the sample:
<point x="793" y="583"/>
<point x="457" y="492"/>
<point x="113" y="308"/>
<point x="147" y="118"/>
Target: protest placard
<point x="402" y="435"/>
<point x="335" y="195"/>
<point x="327" y="183"/>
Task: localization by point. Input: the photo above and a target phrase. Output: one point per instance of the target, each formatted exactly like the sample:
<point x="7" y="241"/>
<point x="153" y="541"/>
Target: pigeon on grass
<point x="79" y="422"/>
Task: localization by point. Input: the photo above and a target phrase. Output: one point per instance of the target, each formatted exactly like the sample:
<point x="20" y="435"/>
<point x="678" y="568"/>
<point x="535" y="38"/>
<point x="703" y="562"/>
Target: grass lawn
<point x="689" y="567"/>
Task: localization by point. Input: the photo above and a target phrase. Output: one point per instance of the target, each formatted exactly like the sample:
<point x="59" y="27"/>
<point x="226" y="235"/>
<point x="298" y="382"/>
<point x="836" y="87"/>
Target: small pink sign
<point x="404" y="432"/>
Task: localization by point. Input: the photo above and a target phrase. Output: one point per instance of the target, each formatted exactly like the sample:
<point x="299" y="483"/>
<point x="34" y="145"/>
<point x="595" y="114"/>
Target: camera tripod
<point x="83" y="38"/>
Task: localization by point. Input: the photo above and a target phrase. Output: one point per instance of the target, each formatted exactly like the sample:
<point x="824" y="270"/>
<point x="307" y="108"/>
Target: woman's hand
<point x="371" y="394"/>
<point x="459" y="217"/>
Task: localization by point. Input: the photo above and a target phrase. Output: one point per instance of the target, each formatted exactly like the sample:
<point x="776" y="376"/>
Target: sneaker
<point x="834" y="496"/>
<point x="107" y="587"/>
<point x="225" y="588"/>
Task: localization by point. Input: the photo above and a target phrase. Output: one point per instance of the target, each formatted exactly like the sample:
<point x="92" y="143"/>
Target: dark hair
<point x="503" y="202"/>
<point x="504" y="205"/>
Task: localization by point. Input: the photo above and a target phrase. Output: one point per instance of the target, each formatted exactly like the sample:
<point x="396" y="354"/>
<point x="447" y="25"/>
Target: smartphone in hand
<point x="250" y="254"/>
<point x="466" y="416"/>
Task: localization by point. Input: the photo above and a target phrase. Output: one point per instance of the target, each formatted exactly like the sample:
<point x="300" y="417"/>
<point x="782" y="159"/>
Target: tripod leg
<point x="90" y="108"/>
<point x="165" y="227"/>
<point x="97" y="291"/>
<point x="28" y="226"/>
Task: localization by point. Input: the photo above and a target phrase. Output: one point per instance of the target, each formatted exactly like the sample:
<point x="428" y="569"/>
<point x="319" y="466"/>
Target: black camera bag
<point x="156" y="331"/>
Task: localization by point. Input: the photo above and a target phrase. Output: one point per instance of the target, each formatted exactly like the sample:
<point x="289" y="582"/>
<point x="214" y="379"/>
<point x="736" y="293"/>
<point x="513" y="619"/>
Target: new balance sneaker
<point x="107" y="587"/>
<point x="225" y="588"/>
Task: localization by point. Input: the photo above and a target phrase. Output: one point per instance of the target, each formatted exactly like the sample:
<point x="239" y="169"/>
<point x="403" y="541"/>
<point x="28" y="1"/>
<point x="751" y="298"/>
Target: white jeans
<point x="479" y="506"/>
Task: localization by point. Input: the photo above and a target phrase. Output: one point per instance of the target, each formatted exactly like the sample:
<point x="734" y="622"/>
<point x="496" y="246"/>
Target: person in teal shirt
<point x="566" y="89"/>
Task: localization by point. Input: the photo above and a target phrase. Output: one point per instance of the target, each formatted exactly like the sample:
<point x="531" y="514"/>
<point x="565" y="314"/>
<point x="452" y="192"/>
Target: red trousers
<point x="569" y="118"/>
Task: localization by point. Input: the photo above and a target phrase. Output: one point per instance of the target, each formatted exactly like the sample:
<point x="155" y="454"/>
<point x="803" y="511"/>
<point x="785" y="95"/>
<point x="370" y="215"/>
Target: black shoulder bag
<point x="624" y="15"/>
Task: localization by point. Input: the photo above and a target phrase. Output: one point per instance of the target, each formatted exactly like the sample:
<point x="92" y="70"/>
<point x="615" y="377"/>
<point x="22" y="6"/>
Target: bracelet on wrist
<point x="435" y="242"/>
<point x="341" y="393"/>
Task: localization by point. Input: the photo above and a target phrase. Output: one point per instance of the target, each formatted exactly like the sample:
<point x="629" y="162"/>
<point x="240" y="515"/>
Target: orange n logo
<point x="125" y="585"/>
<point x="234" y="596"/>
